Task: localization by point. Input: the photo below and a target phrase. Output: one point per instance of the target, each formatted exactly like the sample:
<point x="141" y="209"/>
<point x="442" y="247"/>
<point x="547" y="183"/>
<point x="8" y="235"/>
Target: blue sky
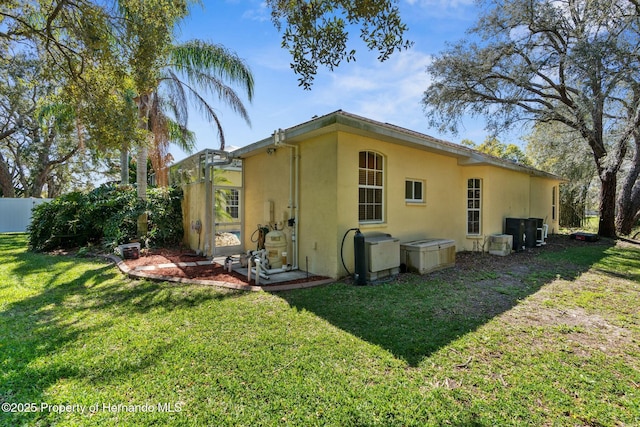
<point x="390" y="91"/>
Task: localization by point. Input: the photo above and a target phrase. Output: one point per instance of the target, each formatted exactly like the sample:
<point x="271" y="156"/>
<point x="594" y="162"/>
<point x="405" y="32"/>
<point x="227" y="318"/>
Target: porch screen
<point x="370" y="186"/>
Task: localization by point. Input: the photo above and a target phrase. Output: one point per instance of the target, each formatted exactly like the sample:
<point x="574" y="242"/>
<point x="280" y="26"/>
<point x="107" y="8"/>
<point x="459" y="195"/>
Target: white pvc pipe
<point x="294" y="187"/>
<point x="257" y="272"/>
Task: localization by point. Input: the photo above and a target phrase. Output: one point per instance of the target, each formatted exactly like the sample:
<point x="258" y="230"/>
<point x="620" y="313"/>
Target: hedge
<point x="107" y="215"/>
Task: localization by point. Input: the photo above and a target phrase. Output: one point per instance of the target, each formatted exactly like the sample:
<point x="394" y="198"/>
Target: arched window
<point x="370" y="187"/>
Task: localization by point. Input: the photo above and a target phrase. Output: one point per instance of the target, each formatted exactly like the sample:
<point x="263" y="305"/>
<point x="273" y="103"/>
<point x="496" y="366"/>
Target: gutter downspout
<point x="294" y="189"/>
<point x="225" y="159"/>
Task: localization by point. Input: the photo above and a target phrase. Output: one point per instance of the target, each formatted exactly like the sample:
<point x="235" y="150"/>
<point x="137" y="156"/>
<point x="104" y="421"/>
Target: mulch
<point x="464" y="261"/>
<point x="164" y="256"/>
<point x="213" y="271"/>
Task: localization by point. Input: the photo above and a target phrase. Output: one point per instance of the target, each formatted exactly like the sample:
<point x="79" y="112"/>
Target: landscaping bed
<point x="511" y="266"/>
<point x="209" y="272"/>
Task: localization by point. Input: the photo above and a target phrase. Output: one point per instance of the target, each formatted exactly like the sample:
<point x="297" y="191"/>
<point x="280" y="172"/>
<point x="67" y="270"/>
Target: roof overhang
<point x="351" y="123"/>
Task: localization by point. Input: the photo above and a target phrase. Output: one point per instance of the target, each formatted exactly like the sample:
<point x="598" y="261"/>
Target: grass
<point x="558" y="344"/>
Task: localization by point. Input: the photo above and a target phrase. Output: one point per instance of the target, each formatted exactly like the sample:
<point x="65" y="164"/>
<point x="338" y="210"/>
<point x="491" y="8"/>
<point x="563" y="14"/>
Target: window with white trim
<point x="414" y="191"/>
<point x="370" y="186"/>
<point x="553" y="203"/>
<point x="232" y="197"/>
<point x="474" y="206"/>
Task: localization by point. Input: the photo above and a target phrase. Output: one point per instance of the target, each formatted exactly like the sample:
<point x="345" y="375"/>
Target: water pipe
<point x="279" y="137"/>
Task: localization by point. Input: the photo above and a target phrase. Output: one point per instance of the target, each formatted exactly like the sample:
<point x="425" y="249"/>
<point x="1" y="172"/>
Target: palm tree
<point x="194" y="71"/>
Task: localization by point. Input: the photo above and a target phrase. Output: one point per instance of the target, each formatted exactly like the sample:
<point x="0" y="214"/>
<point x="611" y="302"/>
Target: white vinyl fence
<point x="15" y="214"/>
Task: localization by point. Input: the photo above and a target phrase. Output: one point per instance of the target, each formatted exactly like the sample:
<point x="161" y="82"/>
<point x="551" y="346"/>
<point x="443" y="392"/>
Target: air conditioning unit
<point x="500" y="244"/>
<point x="425" y="256"/>
<point x="383" y="256"/>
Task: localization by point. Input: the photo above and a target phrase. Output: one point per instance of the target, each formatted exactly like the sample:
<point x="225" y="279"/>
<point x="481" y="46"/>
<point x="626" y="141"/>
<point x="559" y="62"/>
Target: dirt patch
<point x="494" y="284"/>
<point x="523" y="261"/>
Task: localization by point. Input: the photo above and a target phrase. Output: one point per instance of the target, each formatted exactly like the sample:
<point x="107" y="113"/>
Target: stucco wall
<point x="318" y="207"/>
<point x="329" y="197"/>
<point x="403" y="220"/>
<point x="193" y="209"/>
<point x="266" y="178"/>
<point x="505" y="193"/>
<point x="541" y="197"/>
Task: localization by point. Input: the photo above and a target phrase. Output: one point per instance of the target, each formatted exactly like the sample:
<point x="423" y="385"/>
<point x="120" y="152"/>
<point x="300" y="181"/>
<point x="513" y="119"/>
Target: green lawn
<point x="552" y="342"/>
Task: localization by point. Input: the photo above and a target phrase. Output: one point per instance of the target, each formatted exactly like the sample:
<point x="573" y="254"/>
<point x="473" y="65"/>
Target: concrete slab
<point x="167" y="265"/>
<point x="274" y="278"/>
<point x="145" y="268"/>
<point x="187" y="264"/>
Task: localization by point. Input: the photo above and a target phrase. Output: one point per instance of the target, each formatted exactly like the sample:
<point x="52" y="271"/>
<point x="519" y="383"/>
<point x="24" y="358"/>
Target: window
<point x="203" y="166"/>
<point x="413" y="191"/>
<point x="370" y="186"/>
<point x="474" y="197"/>
<point x="553" y="203"/>
<point x="232" y="199"/>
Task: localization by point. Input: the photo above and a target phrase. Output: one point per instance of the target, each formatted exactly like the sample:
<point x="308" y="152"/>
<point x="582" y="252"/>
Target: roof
<point x="344" y="121"/>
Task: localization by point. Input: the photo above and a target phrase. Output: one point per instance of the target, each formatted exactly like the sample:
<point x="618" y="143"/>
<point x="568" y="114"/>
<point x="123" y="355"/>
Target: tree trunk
<point x="142" y="155"/>
<point x="124" y="166"/>
<point x="629" y="198"/>
<point x="38" y="183"/>
<point x="607" y="226"/>
<point x="571" y="207"/>
<point x="6" y="180"/>
<point x="141" y="183"/>
<point x="628" y="208"/>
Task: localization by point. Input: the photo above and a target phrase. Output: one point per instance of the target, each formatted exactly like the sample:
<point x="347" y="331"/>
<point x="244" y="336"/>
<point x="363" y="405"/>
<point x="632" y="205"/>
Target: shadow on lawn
<point x="414" y="316"/>
<point x="80" y="297"/>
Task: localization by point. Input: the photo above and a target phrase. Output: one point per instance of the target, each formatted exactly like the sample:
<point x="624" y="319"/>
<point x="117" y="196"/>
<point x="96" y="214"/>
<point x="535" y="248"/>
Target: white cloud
<point x="390" y="91"/>
<point x="258" y="13"/>
<point x="272" y="57"/>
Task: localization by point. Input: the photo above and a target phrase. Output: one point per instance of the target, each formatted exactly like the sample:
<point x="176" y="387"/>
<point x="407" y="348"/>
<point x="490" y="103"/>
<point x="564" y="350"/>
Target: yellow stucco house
<point x="317" y="180"/>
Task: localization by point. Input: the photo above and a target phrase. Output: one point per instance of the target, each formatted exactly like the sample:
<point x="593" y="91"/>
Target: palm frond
<point x="210" y="113"/>
<point x="219" y="89"/>
<point x="181" y="136"/>
<point x="212" y="59"/>
<point x="176" y="97"/>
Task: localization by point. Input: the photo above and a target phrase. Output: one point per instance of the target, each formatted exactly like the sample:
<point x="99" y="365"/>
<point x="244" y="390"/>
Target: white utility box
<point x="383" y="256"/>
<point x="425" y="256"/>
<point x="500" y="244"/>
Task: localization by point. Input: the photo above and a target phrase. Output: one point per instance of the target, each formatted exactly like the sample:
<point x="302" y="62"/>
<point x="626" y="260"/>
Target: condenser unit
<point x="383" y="256"/>
<point x="500" y="244"/>
<point x="425" y="256"/>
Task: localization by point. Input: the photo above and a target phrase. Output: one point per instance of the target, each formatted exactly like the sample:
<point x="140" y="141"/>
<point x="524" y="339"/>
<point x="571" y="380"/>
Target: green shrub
<point x="108" y="214"/>
<point x="164" y="207"/>
<point x="63" y="222"/>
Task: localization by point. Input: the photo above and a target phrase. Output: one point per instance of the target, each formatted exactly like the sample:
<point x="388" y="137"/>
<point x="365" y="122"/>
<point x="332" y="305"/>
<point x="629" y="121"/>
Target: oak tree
<point x="571" y="62"/>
